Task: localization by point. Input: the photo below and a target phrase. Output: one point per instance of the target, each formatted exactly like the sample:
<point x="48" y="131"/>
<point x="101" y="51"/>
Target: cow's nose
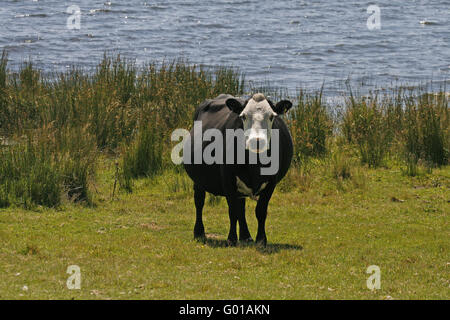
<point x="257" y="144"/>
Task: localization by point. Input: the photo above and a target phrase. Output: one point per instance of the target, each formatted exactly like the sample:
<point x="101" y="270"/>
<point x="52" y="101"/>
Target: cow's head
<point x="257" y="116"/>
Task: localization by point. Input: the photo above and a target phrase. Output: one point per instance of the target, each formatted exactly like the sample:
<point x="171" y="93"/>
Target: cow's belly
<point x="206" y="176"/>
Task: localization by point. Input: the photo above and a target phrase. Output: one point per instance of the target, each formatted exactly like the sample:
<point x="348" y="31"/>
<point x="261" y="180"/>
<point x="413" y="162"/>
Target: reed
<point x="366" y="125"/>
<point x="47" y="166"/>
<point x="311" y="126"/>
<point x="130" y="110"/>
<point x="144" y="157"/>
<point x="426" y="130"/>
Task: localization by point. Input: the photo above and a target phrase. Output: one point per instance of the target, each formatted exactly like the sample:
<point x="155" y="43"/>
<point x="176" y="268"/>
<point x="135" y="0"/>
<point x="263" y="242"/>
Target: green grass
<point x="46" y="166"/>
<point x="86" y="179"/>
<point x="322" y="236"/>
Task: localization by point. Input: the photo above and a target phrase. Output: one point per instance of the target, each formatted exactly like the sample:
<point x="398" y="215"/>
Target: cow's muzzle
<point x="257" y="144"/>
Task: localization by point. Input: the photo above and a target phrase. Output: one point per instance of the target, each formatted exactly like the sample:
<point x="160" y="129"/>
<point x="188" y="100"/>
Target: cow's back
<point x="213" y="114"/>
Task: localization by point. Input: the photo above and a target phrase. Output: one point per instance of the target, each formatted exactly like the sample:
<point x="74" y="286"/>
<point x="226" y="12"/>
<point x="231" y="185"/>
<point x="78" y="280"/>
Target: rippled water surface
<point x="287" y="43"/>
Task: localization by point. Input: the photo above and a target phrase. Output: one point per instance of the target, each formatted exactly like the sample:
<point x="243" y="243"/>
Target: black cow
<point x="238" y="176"/>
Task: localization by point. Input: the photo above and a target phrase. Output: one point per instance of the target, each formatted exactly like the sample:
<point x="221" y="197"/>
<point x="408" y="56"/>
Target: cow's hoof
<point x="231" y="243"/>
<point x="200" y="238"/>
<point x="261" y="243"/>
<point x="247" y="240"/>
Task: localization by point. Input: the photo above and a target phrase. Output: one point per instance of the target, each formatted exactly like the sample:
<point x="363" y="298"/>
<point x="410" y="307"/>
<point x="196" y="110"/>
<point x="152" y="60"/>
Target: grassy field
<point x="86" y="179"/>
<point x="323" y="233"/>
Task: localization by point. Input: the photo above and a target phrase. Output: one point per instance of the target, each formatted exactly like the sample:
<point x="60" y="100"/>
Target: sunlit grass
<point x="320" y="242"/>
<point x="86" y="179"/>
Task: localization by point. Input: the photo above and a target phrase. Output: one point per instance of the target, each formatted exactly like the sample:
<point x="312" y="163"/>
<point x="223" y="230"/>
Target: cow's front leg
<point x="199" y="198"/>
<point x="244" y="234"/>
<point x="232" y="212"/>
<point x="261" y="214"/>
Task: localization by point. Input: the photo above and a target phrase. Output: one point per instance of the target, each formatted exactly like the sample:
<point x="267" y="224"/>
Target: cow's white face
<point x="258" y="116"/>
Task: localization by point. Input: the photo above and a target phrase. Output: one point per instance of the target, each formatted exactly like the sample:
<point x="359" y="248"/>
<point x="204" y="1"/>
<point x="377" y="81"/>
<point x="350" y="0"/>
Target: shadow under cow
<point x="270" y="248"/>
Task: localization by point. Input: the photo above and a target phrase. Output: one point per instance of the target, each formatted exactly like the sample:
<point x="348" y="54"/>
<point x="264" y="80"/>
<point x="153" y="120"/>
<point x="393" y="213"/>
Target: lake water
<point x="289" y="44"/>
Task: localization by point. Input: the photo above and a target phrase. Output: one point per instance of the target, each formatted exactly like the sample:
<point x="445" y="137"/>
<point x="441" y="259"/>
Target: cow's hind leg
<point x="199" y="198"/>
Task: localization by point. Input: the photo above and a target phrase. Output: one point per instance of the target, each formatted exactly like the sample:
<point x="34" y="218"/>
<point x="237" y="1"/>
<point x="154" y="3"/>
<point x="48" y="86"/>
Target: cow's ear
<point x="282" y="107"/>
<point x="234" y="105"/>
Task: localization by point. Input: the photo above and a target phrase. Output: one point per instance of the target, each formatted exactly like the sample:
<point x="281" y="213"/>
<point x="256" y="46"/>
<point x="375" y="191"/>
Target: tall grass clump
<point x="366" y="125"/>
<point x="45" y="167"/>
<point x="426" y="130"/>
<point x="409" y="123"/>
<point x="77" y="155"/>
<point x="173" y="90"/>
<point x="144" y="157"/>
<point x="28" y="176"/>
<point x="3" y="94"/>
<point x="228" y="80"/>
<point x="110" y="101"/>
<point x="3" y="70"/>
<point x="341" y="166"/>
<point x="310" y="125"/>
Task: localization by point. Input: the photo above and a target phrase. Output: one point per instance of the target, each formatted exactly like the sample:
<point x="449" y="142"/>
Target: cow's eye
<point x="272" y="116"/>
<point x="243" y="117"/>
